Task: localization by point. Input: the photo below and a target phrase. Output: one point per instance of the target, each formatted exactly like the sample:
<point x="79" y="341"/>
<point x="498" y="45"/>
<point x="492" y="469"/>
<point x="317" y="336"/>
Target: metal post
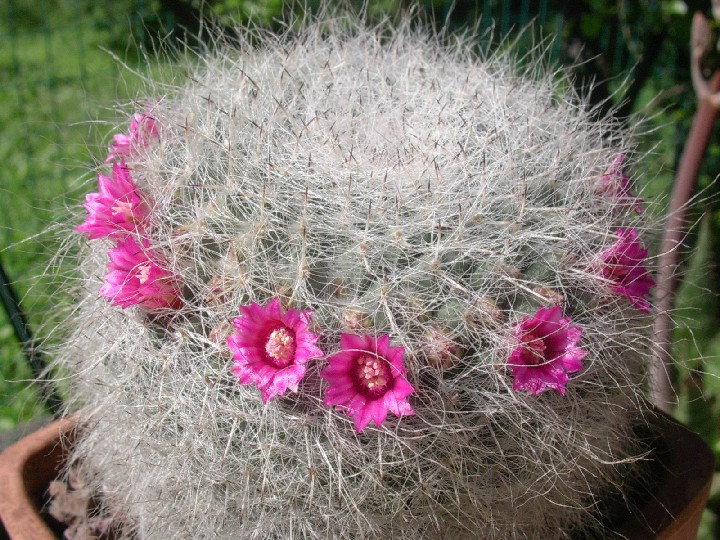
<point x="22" y="332"/>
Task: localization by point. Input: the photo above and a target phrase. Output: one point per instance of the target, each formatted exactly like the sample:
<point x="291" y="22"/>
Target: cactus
<point x="373" y="285"/>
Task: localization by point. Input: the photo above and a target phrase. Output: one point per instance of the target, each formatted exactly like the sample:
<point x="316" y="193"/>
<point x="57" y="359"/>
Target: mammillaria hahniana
<point x="383" y="297"/>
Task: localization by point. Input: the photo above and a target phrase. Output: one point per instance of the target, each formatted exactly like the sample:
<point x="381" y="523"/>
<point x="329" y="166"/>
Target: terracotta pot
<point x="26" y="470"/>
<point x="672" y="507"/>
<point x="671" y="512"/>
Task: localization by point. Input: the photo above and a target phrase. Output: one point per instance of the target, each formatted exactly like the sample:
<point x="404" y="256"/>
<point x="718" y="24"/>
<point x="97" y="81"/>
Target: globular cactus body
<point x="450" y="213"/>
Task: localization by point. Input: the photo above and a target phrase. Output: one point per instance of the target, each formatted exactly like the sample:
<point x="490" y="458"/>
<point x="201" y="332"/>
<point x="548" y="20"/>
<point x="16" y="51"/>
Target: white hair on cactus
<point x="392" y="184"/>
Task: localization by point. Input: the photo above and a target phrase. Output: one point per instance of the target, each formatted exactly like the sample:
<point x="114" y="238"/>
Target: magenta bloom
<point x="616" y="185"/>
<point x="367" y="379"/>
<point x="623" y="265"/>
<point x="142" y="131"/>
<point x="137" y="277"/>
<point x="119" y="147"/>
<point x="270" y="347"/>
<point x="117" y="209"/>
<point x="546" y="352"/>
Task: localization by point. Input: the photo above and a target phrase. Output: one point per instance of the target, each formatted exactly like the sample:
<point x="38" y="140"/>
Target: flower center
<point x="373" y="374"/>
<point x="123" y="208"/>
<point x="280" y="347"/>
<point x="143" y="273"/>
<point x="533" y="350"/>
<point x="615" y="270"/>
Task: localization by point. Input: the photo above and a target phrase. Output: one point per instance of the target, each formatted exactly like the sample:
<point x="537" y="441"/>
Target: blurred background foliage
<point x="65" y="63"/>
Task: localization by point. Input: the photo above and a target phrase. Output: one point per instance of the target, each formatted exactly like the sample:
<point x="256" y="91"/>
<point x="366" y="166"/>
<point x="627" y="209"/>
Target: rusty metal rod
<point x="661" y="390"/>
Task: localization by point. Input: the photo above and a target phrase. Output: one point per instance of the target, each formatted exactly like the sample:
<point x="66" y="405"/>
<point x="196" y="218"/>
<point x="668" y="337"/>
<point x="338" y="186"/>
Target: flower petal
<point x="545" y="353"/>
<point x="366" y="379"/>
<point x="258" y="326"/>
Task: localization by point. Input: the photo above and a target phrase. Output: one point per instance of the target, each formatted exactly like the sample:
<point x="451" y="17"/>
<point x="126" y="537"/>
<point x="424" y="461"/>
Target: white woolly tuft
<point x="378" y="176"/>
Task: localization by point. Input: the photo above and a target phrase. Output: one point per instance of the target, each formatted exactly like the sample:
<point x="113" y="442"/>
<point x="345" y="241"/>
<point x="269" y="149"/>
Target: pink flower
<point x="119" y="147"/>
<point x="545" y="353"/>
<point x="143" y="128"/>
<point x="615" y="184"/>
<point x="142" y="131"/>
<point x="623" y="266"/>
<point x="137" y="277"/>
<point x="367" y="379"/>
<point x="270" y="347"/>
<point x="117" y="209"/>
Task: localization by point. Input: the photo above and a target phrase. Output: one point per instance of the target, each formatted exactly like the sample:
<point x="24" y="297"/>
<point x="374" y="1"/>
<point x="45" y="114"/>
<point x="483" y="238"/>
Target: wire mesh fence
<point x="56" y="75"/>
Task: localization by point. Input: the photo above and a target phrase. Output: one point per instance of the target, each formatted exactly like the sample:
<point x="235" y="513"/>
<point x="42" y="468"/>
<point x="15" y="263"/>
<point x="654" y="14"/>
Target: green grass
<point x="56" y="78"/>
